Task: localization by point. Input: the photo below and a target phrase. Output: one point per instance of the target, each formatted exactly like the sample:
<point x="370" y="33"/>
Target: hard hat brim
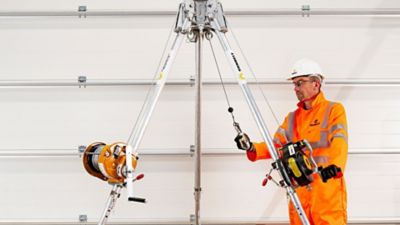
<point x="292" y="77"/>
<point x="307" y="75"/>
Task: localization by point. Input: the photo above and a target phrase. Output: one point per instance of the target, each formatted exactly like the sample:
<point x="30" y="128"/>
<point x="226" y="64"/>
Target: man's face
<point x="304" y="87"/>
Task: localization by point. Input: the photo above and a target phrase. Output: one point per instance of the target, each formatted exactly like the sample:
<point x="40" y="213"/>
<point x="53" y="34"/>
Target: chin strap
<point x="302" y="103"/>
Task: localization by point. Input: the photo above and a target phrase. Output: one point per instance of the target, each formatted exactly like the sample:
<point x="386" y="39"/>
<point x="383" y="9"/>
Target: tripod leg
<point x="256" y="113"/>
<point x="149" y="105"/>
<point x="112" y="199"/>
<point x="197" y="153"/>
<point x="129" y="172"/>
<point x="154" y="93"/>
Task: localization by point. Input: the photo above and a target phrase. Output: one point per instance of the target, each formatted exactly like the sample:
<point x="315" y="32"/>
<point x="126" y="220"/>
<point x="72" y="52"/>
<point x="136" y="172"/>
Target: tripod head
<point x="201" y="14"/>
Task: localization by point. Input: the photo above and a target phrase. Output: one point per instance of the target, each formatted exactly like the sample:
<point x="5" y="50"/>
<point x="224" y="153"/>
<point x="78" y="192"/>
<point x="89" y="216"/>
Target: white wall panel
<point x="130" y="48"/>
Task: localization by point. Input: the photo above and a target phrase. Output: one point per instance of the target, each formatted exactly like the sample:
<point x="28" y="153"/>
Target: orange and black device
<point x="108" y="162"/>
<point x="297" y="168"/>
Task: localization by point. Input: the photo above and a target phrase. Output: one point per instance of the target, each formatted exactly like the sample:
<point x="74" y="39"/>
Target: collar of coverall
<point x="316" y="99"/>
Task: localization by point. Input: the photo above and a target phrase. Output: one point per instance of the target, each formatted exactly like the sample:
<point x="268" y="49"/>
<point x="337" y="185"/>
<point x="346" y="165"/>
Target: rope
<point x="230" y="108"/>
<point x="254" y="75"/>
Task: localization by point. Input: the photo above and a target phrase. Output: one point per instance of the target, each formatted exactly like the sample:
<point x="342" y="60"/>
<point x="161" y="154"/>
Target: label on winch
<point x="291" y="150"/>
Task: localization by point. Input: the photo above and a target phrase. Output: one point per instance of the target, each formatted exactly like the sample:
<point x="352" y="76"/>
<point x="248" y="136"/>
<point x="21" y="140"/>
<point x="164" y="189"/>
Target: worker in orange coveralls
<point x="323" y="123"/>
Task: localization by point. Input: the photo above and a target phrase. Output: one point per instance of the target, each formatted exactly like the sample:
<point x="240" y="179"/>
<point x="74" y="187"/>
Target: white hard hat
<point x="306" y="67"/>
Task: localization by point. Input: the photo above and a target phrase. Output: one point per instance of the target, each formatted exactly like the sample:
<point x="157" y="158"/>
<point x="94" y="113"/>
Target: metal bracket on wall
<point x="82" y="81"/>
<point x="192" y="219"/>
<point x="192" y="80"/>
<point x="191" y="150"/>
<point x="82" y="9"/>
<point x="81" y="149"/>
<point x="305" y="10"/>
<point x="83" y="218"/>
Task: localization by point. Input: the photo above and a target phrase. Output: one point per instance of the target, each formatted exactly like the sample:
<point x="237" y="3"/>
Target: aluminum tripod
<point x="197" y="19"/>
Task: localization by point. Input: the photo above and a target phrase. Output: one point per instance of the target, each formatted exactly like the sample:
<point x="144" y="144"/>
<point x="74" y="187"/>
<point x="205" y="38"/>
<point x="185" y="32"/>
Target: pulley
<point x="107" y="162"/>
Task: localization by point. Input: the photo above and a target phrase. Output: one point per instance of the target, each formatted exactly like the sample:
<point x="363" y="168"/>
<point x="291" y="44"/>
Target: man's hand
<point x="329" y="172"/>
<point x="243" y="142"/>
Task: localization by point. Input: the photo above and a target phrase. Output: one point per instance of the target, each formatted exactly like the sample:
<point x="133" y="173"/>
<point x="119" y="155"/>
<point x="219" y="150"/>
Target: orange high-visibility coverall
<point x="325" y="127"/>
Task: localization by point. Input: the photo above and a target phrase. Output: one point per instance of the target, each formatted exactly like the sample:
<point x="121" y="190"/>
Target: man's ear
<point x="317" y="84"/>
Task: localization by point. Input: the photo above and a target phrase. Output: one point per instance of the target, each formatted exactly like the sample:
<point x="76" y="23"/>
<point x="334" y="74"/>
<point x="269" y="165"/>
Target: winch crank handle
<point x="311" y="156"/>
<point x="136" y="199"/>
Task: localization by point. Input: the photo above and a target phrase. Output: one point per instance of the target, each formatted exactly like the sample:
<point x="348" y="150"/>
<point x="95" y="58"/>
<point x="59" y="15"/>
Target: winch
<point x="108" y="162"/>
<point x="298" y="168"/>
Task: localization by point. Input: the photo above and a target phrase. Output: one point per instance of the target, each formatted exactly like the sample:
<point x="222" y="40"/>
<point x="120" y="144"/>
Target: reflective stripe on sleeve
<point x="326" y="118"/>
<point x="282" y="132"/>
<point x="336" y="127"/>
<point x="290" y="130"/>
<point x="339" y="136"/>
<point x="321" y="159"/>
<point x="323" y="141"/>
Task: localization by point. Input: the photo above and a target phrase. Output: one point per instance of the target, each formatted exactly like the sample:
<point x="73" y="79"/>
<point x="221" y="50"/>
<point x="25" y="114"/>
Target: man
<point x="323" y="124"/>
